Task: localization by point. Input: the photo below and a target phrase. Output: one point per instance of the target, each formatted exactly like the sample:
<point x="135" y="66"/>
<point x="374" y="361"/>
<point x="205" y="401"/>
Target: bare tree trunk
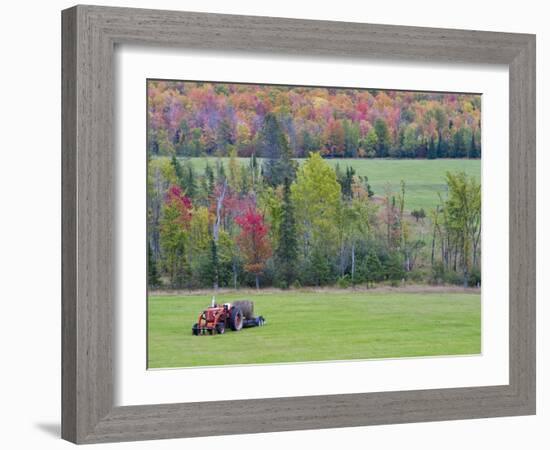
<point x="433" y="248"/>
<point x="219" y="204"/>
<point x="342" y="259"/>
<point x="217" y="224"/>
<point x="257" y="281"/>
<point x="455" y="263"/>
<point x="435" y="225"/>
<point x="352" y="262"/>
<point x="476" y="244"/>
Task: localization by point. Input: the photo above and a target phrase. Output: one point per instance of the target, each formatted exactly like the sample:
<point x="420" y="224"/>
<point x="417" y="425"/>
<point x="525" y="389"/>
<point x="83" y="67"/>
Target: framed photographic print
<point x="291" y="211"/>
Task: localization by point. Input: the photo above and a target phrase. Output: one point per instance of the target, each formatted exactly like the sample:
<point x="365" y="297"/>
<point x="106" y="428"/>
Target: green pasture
<point x="424" y="178"/>
<point x="311" y="326"/>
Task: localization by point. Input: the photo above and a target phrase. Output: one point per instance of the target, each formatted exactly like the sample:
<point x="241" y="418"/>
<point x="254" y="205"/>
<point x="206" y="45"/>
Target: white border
<point x="136" y="385"/>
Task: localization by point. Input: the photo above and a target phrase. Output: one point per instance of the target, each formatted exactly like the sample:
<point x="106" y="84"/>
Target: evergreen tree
<point x="393" y="267"/>
<point x="338" y="172"/>
<point x="320" y="268"/>
<point x="274" y="147"/>
<point x="346" y="181"/>
<point x="372" y="268"/>
<point x="189" y="181"/>
<point x="432" y="152"/>
<point x="178" y="170"/>
<point x="459" y="146"/>
<point x="364" y="180"/>
<point x="153" y="279"/>
<point x="254" y="170"/>
<point x="441" y="147"/>
<point x="224" y="137"/>
<point x="185" y="176"/>
<point x="209" y="177"/>
<point x="383" y="136"/>
<point x="287" y="251"/>
<point x="474" y="150"/>
<point x="220" y="171"/>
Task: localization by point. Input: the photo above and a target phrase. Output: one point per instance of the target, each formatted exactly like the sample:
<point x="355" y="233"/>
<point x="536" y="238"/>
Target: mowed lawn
<point x="424" y="178"/>
<point x="311" y="326"/>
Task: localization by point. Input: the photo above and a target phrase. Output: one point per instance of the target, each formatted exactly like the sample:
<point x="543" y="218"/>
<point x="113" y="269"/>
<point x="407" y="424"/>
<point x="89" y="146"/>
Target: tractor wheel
<point x="220" y="328"/>
<point x="236" y="321"/>
<point x="195" y="329"/>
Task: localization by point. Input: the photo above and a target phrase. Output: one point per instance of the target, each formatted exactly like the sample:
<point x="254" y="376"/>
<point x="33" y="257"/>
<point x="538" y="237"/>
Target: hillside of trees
<point x="215" y="119"/>
<point x="275" y="223"/>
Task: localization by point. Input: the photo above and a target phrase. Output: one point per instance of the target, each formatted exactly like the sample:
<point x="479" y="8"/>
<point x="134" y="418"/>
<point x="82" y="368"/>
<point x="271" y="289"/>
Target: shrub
<point x="418" y="275"/>
<point x="474" y="278"/>
<point x="393" y="268"/>
<point x="452" y="277"/>
<point x="438" y="273"/>
<point x="418" y="214"/>
<point x="343" y="282"/>
<point x="282" y="284"/>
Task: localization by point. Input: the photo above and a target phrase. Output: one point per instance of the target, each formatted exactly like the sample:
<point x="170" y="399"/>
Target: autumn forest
<point x="264" y="185"/>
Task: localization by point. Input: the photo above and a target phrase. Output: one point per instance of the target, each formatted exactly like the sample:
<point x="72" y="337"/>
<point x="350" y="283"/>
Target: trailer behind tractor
<point x="235" y="316"/>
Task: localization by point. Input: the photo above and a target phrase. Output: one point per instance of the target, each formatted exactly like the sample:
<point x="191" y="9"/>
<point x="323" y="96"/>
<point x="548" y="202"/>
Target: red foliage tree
<point x="176" y="199"/>
<point x="253" y="242"/>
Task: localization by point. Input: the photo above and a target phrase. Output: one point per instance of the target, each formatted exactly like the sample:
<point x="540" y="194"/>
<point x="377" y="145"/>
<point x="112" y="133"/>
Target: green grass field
<point x="424" y="178"/>
<point x="311" y="326"/>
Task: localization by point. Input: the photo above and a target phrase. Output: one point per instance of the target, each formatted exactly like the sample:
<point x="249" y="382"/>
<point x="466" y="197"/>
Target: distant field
<point x="423" y="178"/>
<point x="312" y="326"/>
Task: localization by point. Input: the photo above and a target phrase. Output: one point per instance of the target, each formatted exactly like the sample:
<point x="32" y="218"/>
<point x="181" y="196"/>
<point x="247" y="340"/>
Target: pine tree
<point x="432" y="152"/>
<point x="254" y="172"/>
<point x="287" y="251"/>
<point x="153" y="279"/>
<point x="346" y="181"/>
<point x="274" y="147"/>
<point x="209" y="176"/>
<point x="372" y="268"/>
<point x="383" y="136"/>
<point x="347" y="185"/>
<point x="224" y="137"/>
<point x="220" y="171"/>
<point x="189" y="180"/>
<point x="178" y="170"/>
<point x="320" y="269"/>
<point x="474" y="151"/>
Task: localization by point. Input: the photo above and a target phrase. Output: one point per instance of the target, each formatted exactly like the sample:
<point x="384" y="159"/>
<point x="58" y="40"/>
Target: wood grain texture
<point x="89" y="36"/>
<point x="68" y="227"/>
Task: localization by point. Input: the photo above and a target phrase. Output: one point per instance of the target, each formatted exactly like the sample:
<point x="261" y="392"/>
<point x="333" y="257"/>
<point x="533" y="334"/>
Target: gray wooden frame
<point x="89" y="36"/>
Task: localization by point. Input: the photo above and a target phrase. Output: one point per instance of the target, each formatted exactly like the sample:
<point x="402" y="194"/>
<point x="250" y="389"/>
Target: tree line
<point x="214" y="119"/>
<point x="275" y="223"/>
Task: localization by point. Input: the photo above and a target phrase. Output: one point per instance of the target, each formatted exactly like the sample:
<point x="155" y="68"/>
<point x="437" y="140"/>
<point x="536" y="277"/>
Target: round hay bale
<point x="246" y="307"/>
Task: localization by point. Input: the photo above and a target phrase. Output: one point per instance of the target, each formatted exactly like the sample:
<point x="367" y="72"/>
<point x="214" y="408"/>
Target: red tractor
<point x="237" y="315"/>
